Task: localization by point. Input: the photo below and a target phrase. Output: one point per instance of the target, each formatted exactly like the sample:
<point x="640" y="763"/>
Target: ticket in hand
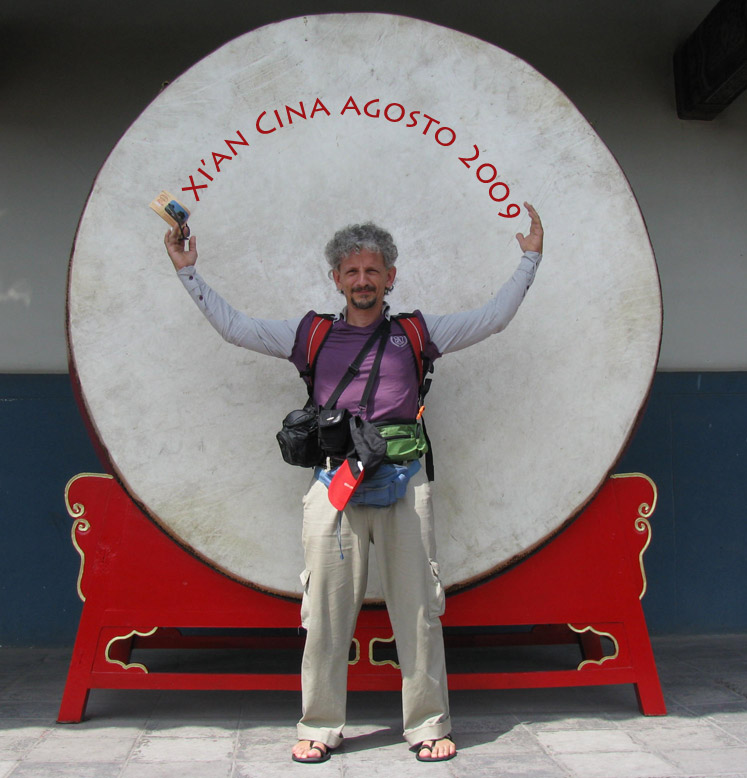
<point x="170" y="209"/>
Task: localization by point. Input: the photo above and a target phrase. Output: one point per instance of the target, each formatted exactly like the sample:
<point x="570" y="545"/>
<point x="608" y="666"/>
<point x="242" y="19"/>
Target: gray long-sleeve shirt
<point x="448" y="332"/>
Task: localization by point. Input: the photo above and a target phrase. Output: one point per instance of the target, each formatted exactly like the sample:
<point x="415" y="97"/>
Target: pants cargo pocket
<point x="305" y="575"/>
<point x="437" y="600"/>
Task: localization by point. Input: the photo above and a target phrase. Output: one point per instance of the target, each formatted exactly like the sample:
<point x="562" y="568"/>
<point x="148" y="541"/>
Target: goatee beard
<point x="363" y="305"/>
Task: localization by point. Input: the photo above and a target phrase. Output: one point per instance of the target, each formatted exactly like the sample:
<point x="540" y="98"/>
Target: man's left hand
<point x="532" y="241"/>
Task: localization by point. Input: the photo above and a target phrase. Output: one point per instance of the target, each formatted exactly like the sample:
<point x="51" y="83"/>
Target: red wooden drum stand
<point x="141" y="590"/>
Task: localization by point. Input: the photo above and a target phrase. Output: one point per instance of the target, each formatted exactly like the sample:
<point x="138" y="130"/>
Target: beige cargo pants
<point x="334" y="589"/>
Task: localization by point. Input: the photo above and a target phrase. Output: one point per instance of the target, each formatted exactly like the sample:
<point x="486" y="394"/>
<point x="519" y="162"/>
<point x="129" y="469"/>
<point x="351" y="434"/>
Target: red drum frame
<point x="276" y="140"/>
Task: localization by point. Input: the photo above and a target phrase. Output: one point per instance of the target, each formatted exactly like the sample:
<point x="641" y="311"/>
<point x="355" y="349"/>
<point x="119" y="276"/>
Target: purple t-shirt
<point x="395" y="391"/>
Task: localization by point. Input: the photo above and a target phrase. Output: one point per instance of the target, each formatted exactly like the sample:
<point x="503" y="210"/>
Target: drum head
<point x="288" y="133"/>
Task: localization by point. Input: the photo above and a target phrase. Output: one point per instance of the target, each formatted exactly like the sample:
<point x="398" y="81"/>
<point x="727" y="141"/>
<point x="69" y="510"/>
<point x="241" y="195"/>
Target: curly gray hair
<point x="351" y="239"/>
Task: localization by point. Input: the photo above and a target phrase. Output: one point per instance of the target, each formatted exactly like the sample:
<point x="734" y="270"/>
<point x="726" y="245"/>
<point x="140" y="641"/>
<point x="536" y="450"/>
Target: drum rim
<point x="102" y="448"/>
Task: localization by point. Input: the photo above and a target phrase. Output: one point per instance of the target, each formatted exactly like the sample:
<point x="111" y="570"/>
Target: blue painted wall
<point x="692" y="441"/>
<point x="43" y="443"/>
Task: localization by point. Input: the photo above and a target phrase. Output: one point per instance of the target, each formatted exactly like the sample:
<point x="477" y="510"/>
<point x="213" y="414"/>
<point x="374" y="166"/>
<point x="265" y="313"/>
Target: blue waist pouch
<point x="387" y="485"/>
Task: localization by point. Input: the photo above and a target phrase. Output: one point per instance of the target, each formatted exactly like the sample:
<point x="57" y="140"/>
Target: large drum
<point x="275" y="141"/>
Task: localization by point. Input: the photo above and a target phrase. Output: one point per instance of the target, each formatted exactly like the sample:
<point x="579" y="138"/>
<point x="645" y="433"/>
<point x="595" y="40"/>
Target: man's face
<point x="363" y="279"/>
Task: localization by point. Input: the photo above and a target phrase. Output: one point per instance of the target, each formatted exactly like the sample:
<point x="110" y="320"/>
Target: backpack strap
<point x="380" y="334"/>
<point x="320" y="327"/>
<point x="321" y="324"/>
<point x="413" y="328"/>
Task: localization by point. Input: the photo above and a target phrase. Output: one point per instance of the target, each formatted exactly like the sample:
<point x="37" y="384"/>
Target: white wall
<point x="75" y="75"/>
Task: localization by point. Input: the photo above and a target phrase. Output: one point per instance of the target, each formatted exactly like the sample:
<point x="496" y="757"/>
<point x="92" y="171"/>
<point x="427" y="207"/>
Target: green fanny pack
<point x="405" y="441"/>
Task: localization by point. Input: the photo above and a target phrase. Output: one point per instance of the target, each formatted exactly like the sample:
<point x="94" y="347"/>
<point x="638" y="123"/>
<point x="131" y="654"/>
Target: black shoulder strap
<point x="375" y="367"/>
<point x="354" y="366"/>
<point x="411" y="325"/>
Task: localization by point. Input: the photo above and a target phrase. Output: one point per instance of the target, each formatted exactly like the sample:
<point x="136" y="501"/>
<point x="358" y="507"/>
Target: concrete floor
<point x="595" y="732"/>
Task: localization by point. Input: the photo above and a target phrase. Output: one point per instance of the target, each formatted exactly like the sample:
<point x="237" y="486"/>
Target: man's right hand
<point x="180" y="257"/>
<point x="532" y="241"/>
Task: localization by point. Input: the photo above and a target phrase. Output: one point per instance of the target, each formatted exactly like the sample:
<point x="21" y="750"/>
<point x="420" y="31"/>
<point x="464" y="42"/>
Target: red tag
<point x="343" y="485"/>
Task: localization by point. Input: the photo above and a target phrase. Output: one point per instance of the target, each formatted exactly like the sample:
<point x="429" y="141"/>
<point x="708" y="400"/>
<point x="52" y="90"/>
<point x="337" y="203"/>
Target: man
<point x="336" y="544"/>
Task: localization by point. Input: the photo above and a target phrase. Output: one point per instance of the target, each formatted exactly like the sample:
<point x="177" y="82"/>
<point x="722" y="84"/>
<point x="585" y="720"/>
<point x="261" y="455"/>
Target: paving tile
<point x="271" y="746"/>
<point x="738" y="731"/>
<point x="181" y="728"/>
<point x="540" y="733"/>
<point x="100" y="727"/>
<point x="274" y="706"/>
<point x="283" y="769"/>
<point x="516" y="741"/>
<point x="173" y="749"/>
<point x="518" y="766"/>
<point x="23" y="728"/>
<point x="375" y="747"/>
<point x="367" y="741"/>
<point x="619" y="698"/>
<point x="733" y="723"/>
<point x="119" y="703"/>
<point x="540" y="723"/>
<point x="405" y="770"/>
<point x="521" y="702"/>
<point x="704" y="735"/>
<point x="716" y="666"/>
<point x="707" y="693"/>
<point x="105" y="726"/>
<point x="80" y="747"/>
<point x="400" y="763"/>
<point x="41" y="710"/>
<point x="199" y="705"/>
<point x="221" y="769"/>
<point x="371" y="739"/>
<point x="365" y="706"/>
<point x="67" y="770"/>
<point x="700" y="646"/>
<point x="626" y="764"/>
<point x="265" y="749"/>
<point x="16" y="660"/>
<point x="496" y="724"/>
<point x="673" y="672"/>
<point x="730" y="713"/>
<point x="735" y="681"/>
<point x="22" y="689"/>
<point x="734" y="707"/>
<point x="676" y="716"/>
<point x="709" y="762"/>
<point x="586" y="741"/>
<point x="15" y="746"/>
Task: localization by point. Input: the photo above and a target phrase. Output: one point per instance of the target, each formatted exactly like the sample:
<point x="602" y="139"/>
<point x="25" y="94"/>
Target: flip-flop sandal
<point x="428" y="746"/>
<point x="316" y="745"/>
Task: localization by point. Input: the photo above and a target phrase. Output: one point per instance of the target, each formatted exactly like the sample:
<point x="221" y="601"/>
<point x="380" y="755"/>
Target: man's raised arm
<point x="274" y="338"/>
<point x="455" y="331"/>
